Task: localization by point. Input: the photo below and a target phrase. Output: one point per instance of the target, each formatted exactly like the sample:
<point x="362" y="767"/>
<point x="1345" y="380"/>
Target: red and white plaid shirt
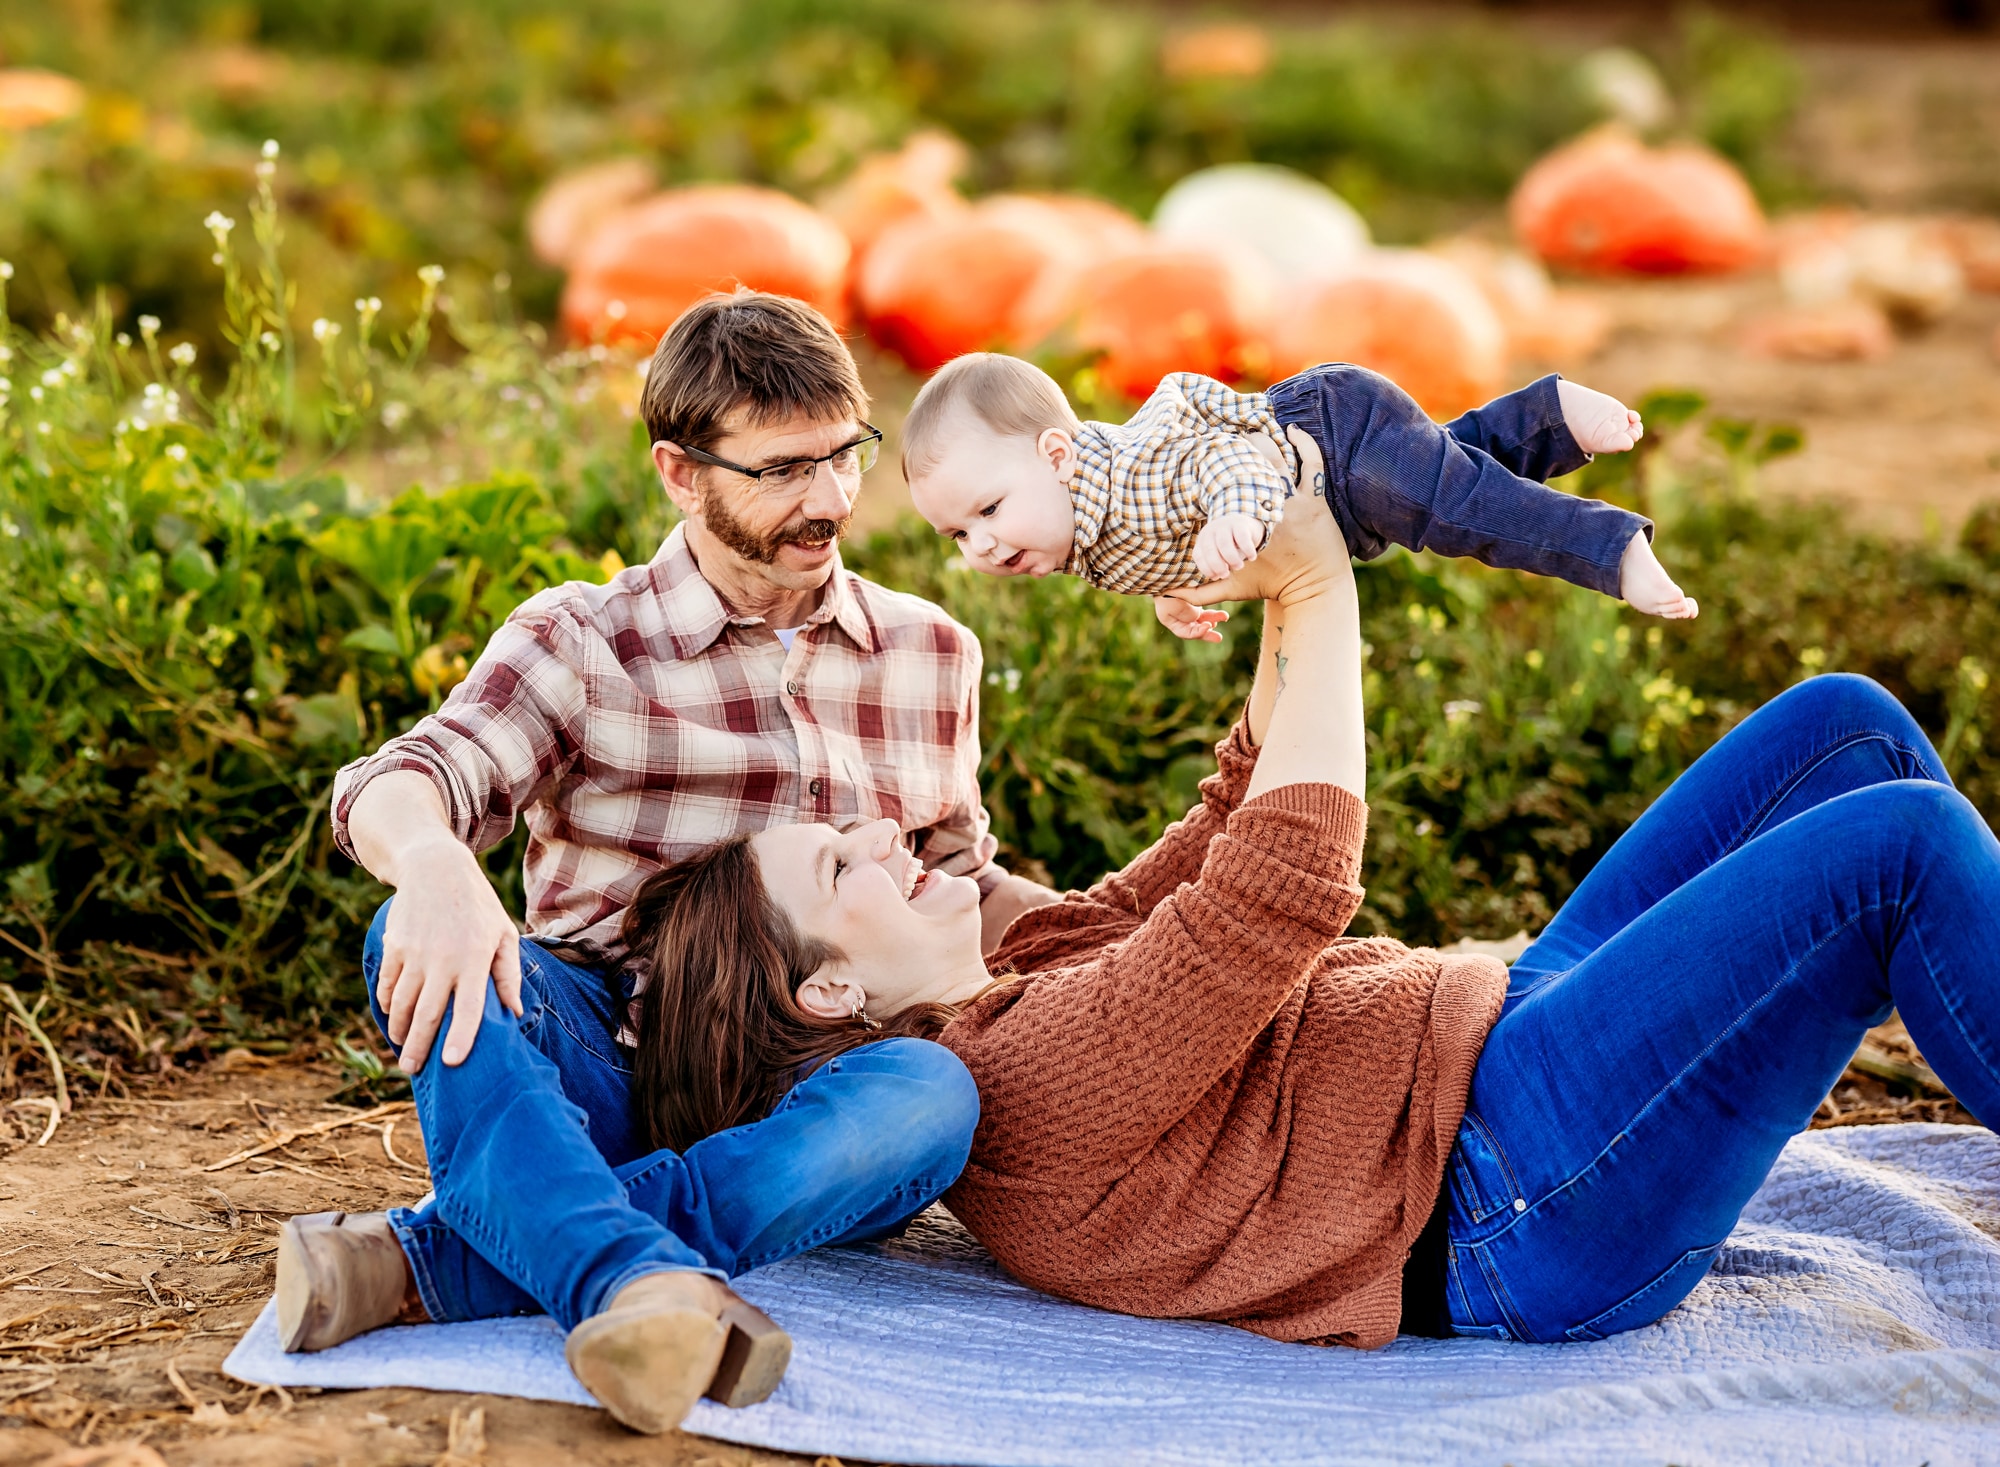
<point x="632" y="723"/>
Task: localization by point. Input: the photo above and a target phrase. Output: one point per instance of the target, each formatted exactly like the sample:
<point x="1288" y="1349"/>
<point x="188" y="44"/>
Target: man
<point x="739" y="680"/>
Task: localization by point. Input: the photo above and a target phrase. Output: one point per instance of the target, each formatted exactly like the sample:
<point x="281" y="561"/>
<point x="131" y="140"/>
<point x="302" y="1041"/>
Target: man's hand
<point x="1013" y="896"/>
<point x="447" y="932"/>
<point x="1190" y="623"/>
<point x="1226" y="543"/>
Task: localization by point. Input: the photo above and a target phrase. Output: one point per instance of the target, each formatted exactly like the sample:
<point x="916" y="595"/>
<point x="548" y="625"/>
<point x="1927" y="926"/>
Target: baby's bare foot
<point x="1597" y="421"/>
<point x="1646" y="586"/>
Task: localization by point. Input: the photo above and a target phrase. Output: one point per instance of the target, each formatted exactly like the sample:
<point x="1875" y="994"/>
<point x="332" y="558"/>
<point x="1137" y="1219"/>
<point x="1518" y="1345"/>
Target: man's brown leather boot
<point x="341" y="1274"/>
<point x="659" y="1346"/>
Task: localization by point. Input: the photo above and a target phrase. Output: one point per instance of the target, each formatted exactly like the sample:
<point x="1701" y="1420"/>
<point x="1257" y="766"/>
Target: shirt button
<point x="792" y="688"/>
<point x="815" y="788"/>
<point x="1520" y="1203"/>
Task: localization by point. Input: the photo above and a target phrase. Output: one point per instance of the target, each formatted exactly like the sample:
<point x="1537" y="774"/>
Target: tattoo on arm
<point x="1282" y="661"/>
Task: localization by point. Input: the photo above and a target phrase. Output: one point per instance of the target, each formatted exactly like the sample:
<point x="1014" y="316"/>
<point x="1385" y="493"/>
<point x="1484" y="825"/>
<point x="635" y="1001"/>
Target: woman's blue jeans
<point x="1695" y="999"/>
<point x="547" y="1199"/>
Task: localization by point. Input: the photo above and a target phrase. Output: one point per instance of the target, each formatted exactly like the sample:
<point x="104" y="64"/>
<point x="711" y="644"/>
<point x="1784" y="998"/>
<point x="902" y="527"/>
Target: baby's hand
<point x="1189" y="622"/>
<point x="1599" y="423"/>
<point x="1227" y="543"/>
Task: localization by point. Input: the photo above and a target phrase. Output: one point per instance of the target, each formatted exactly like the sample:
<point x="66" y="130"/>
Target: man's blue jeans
<point x="1692" y="1003"/>
<point x="547" y="1200"/>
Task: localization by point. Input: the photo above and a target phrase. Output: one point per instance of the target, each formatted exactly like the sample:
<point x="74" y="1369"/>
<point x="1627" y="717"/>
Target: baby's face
<point x="1002" y="499"/>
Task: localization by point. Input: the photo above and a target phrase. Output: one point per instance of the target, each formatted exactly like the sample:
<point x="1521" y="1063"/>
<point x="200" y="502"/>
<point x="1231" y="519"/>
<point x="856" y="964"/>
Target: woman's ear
<point x="828" y="995"/>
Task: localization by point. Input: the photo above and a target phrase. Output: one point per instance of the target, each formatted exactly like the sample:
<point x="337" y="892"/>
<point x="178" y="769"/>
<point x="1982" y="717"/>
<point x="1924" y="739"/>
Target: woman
<point x="1199" y="1099"/>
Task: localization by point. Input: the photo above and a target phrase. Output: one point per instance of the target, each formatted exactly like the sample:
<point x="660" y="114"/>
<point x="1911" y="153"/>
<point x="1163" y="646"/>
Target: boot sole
<point x="647" y="1367"/>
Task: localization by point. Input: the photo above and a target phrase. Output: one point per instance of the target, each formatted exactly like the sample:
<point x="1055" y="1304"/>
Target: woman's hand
<point x="1306" y="557"/>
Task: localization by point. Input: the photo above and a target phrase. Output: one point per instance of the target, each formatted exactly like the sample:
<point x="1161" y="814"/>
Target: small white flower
<point x="432" y="275"/>
<point x="6" y="385"/>
<point x="1460" y="709"/>
<point x="123" y="338"/>
<point x="121" y="428"/>
<point x="394" y="415"/>
<point x="8" y="528"/>
<point x="270" y="147"/>
<point x="270" y="340"/>
<point x="153" y="393"/>
<point x="52" y="378"/>
<point x="6" y="269"/>
<point x="149" y="325"/>
<point x="182" y="355"/>
<point x="324" y="330"/>
<point x="70" y="369"/>
<point x="218" y="224"/>
<point x="217" y="258"/>
<point x="35" y="393"/>
<point x="43" y="428"/>
<point x="177" y="452"/>
<point x="6" y="353"/>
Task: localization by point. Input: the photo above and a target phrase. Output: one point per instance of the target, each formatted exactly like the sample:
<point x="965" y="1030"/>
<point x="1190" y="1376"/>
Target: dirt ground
<point x="126" y="1262"/>
<point x="134" y="1252"/>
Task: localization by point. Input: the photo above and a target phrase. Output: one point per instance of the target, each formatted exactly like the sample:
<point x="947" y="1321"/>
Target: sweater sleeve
<point x="1121" y="901"/>
<point x="1088" y="1067"/>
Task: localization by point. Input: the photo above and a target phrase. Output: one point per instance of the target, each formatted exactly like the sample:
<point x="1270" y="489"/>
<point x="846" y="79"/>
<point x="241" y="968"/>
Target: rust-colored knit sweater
<point x="1201" y="1100"/>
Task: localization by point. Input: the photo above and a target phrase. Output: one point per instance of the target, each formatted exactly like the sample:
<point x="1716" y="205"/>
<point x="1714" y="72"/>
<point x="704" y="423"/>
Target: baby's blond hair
<point x="1008" y="395"/>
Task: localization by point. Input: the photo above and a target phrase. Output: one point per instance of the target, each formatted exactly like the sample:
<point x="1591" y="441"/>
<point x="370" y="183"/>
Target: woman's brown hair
<point x="721" y="1033"/>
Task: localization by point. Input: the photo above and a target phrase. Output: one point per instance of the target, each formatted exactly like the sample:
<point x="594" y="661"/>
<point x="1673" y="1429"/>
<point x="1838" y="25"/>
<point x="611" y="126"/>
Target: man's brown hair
<point x="769" y="355"/>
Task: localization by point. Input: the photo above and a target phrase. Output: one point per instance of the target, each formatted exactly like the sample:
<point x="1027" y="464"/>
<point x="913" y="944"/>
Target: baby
<point x="1187" y="490"/>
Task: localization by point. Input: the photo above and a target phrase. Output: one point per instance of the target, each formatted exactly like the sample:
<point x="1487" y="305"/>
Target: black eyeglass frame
<point x="873" y="435"/>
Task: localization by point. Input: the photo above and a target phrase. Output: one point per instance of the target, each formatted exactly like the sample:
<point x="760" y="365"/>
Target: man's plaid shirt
<point x="632" y="723"/>
<point x="1144" y="488"/>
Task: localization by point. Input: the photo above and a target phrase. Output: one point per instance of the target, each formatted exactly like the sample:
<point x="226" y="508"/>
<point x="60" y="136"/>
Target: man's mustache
<point x="810" y="532"/>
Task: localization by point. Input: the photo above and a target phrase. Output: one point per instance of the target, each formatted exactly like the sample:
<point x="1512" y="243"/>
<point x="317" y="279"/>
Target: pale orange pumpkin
<point x="1162" y="309"/>
<point x="885" y="188"/>
<point x="572" y="207"/>
<point x="645" y="265"/>
<point x="1417" y="319"/>
<point x="31" y="97"/>
<point x="1607" y="202"/>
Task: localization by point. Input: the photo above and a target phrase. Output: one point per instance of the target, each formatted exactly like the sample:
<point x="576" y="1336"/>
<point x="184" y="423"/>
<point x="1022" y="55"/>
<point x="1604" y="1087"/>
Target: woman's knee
<point x="927" y="1116"/>
<point x="1849" y="702"/>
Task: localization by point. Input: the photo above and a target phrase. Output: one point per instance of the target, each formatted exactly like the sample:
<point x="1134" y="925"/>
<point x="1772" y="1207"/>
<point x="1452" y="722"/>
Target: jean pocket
<point x="1483" y="1188"/>
<point x="1647" y="1304"/>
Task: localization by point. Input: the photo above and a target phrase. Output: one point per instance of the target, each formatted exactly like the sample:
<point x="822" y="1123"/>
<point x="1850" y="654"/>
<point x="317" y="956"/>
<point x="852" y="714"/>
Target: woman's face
<point x="908" y="935"/>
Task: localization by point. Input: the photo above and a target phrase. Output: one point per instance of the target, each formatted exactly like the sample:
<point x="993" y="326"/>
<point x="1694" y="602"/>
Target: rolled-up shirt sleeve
<point x="503" y="736"/>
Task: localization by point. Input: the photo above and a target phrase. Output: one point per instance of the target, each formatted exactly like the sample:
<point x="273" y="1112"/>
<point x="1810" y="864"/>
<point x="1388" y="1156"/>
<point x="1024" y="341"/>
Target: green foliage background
<point x="418" y="129"/>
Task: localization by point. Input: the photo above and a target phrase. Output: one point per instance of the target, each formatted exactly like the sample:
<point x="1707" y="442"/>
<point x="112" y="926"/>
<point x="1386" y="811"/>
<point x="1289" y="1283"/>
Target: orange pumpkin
<point x="644" y="266"/>
<point x="1417" y="319"/>
<point x="1164" y="309"/>
<point x="1543" y="324"/>
<point x="1607" y="202"/>
<point x="571" y="208"/>
<point x="915" y="180"/>
<point x="933" y="287"/>
<point x="30" y="97"/>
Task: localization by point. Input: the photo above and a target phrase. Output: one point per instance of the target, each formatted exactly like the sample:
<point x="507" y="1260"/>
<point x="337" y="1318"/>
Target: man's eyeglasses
<point x="849" y="461"/>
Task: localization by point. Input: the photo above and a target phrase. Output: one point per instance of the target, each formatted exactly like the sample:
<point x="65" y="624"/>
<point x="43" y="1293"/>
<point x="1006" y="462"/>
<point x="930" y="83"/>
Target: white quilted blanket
<point x="1853" y="1317"/>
